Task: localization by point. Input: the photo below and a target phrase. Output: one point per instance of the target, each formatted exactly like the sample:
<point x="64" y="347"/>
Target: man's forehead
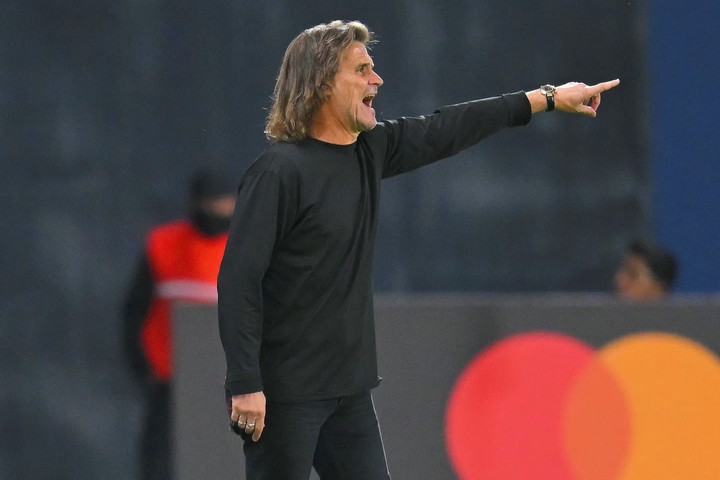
<point x="357" y="52"/>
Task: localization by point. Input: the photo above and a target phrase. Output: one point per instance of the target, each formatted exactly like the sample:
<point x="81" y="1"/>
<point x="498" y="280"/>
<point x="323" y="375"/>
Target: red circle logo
<point x="546" y="406"/>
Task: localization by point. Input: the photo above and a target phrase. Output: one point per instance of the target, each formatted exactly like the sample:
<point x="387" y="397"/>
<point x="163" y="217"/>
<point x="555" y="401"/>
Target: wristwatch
<point x="549" y="92"/>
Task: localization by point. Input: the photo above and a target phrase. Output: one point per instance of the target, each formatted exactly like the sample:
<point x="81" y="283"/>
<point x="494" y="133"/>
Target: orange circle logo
<point x="546" y="406"/>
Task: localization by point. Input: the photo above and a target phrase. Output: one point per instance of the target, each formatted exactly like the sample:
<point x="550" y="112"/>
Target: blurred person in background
<point x="646" y="273"/>
<point x="179" y="262"/>
<point x="295" y="286"/>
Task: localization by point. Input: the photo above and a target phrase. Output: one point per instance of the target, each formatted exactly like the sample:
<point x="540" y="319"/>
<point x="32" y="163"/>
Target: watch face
<point x="547" y="89"/>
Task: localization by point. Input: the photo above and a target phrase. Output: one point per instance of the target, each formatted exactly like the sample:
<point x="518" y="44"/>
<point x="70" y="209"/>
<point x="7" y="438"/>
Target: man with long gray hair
<point x="295" y="284"/>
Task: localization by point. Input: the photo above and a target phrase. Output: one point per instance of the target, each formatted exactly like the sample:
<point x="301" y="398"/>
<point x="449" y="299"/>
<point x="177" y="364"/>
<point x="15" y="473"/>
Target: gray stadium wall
<point x="425" y="343"/>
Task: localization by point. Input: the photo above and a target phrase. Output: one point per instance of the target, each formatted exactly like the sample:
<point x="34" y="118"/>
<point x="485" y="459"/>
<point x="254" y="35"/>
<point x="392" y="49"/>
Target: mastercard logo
<point x="547" y="406"/>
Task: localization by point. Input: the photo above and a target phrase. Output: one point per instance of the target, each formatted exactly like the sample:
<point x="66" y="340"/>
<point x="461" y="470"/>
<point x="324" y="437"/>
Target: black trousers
<point x="339" y="437"/>
<point x="156" y="442"/>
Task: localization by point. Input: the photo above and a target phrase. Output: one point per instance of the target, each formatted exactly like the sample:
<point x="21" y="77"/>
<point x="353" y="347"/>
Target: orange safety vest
<point x="184" y="265"/>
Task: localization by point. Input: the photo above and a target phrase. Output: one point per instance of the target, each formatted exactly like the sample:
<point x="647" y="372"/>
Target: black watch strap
<point x="549" y="92"/>
<point x="550" y="102"/>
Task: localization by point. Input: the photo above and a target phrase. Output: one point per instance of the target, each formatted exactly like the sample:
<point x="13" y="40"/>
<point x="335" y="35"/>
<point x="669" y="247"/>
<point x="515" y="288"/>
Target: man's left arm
<point x="417" y="141"/>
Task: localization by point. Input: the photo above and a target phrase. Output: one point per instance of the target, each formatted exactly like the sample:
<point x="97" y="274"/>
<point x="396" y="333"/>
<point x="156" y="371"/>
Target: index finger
<point x="603" y="86"/>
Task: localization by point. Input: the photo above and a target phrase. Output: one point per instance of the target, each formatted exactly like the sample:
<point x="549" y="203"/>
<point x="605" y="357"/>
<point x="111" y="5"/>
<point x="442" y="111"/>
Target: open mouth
<point x="368" y="100"/>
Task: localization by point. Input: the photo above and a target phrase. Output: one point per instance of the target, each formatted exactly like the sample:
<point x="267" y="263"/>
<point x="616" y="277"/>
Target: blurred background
<point x="107" y="107"/>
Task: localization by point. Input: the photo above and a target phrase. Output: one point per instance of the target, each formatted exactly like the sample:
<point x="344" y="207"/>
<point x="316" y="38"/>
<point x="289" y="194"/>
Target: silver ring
<point x="250" y="425"/>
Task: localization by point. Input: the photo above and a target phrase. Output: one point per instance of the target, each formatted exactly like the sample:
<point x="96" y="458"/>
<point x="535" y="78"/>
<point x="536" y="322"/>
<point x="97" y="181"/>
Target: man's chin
<point x="366" y="127"/>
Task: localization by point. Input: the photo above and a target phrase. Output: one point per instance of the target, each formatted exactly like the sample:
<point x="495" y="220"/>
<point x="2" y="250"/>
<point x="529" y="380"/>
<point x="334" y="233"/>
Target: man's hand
<point x="573" y="97"/>
<point x="248" y="411"/>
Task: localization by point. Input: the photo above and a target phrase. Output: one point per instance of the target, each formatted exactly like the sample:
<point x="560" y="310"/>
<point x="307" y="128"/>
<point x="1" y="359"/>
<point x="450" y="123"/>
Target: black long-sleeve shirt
<point x="295" y="284"/>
